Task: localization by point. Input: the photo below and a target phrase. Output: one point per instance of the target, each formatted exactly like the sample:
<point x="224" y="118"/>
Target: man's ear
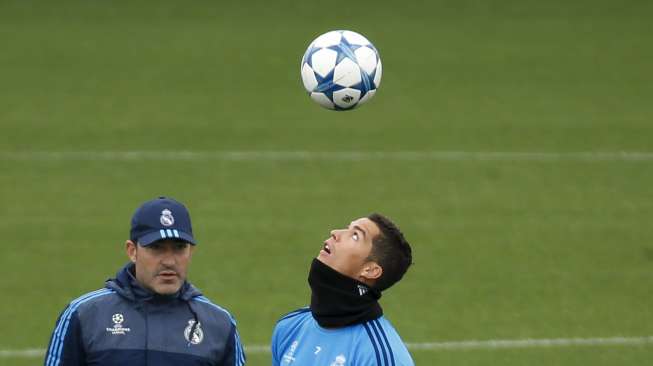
<point x="131" y="249"/>
<point x="371" y="272"/>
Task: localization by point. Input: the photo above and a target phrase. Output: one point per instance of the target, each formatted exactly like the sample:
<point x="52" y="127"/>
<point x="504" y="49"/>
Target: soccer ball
<point x="341" y="70"/>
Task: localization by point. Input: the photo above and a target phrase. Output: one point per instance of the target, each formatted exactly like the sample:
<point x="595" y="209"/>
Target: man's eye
<point x="355" y="236"/>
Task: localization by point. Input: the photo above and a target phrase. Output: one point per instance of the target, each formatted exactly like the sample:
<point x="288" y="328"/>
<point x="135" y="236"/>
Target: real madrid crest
<point x="166" y="218"/>
<point x="198" y="333"/>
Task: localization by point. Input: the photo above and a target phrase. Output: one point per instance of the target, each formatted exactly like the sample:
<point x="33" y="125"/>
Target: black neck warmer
<point x="338" y="300"/>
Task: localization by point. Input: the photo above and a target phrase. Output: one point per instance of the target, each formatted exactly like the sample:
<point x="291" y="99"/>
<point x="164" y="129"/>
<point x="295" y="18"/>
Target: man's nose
<point x="168" y="257"/>
<point x="335" y="234"/>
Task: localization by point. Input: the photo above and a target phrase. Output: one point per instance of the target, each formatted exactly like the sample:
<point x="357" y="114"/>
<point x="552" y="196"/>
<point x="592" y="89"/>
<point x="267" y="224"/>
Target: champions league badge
<point x="166" y="218"/>
<point x="198" y="334"/>
<point x="117" y="328"/>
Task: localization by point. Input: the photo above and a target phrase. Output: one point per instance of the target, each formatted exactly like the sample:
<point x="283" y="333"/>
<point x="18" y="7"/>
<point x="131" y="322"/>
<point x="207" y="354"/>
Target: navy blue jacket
<point x="124" y="324"/>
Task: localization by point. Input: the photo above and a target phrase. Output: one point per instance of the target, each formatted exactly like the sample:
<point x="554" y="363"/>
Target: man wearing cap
<point x="149" y="314"/>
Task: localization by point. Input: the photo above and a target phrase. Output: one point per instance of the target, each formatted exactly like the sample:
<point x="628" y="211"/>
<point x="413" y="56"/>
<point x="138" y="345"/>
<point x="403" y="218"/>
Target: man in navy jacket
<point x="149" y="314"/>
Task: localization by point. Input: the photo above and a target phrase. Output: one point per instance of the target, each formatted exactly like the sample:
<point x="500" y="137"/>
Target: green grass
<point x="503" y="249"/>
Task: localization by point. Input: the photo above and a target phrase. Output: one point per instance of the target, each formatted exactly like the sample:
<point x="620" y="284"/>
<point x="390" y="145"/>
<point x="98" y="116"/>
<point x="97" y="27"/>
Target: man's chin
<point x="167" y="289"/>
<point x="323" y="259"/>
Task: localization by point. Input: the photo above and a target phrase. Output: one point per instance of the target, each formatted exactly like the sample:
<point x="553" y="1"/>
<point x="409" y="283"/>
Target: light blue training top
<point x="298" y="340"/>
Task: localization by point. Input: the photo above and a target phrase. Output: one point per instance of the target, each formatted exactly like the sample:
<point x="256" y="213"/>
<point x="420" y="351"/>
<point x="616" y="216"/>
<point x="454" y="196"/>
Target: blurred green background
<point x="507" y="248"/>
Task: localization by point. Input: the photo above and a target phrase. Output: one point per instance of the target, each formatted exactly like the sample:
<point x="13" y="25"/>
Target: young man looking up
<point x="344" y="325"/>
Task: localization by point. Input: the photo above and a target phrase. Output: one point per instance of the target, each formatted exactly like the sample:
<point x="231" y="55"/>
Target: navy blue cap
<point x="159" y="219"/>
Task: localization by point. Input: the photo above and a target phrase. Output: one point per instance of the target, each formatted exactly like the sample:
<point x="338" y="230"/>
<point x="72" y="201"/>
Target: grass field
<point x="549" y="245"/>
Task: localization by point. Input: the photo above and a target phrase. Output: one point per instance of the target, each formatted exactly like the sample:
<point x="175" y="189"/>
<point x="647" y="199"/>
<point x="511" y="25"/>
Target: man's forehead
<point x="368" y="225"/>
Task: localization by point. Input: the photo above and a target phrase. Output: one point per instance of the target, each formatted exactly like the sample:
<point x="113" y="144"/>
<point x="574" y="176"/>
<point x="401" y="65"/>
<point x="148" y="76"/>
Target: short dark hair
<point x="390" y="250"/>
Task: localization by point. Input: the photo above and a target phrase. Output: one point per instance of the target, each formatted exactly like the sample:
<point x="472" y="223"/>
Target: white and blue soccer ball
<point x="341" y="70"/>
